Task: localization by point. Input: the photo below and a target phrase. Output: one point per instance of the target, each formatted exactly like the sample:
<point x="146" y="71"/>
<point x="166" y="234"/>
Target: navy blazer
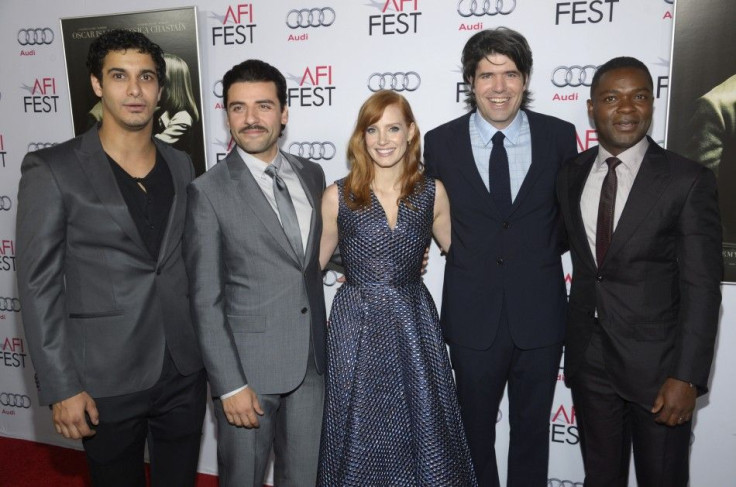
<point x="497" y="262"/>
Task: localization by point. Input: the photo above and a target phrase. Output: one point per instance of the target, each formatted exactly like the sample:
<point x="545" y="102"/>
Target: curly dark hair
<point x="121" y="40"/>
<point x="501" y="40"/>
<point x="255" y="70"/>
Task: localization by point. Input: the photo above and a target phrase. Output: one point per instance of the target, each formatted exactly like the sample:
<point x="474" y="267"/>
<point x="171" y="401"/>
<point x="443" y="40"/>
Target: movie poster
<point x="178" y="119"/>
<point x="702" y="108"/>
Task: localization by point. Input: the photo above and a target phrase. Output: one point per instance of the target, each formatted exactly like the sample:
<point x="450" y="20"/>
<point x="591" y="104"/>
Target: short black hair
<point x="255" y="70"/>
<point x="121" y="40"/>
<point x="618" y="63"/>
<point x="501" y="40"/>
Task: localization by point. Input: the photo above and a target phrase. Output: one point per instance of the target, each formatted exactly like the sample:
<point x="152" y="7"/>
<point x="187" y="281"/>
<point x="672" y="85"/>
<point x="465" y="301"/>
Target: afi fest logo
<point x="224" y="148"/>
<point x="404" y="21"/>
<point x="42" y="98"/>
<point x="237" y="26"/>
<point x="315" y="87"/>
<point x="584" y="12"/>
<point x="2" y="150"/>
<point x="13" y="353"/>
<point x="563" y="427"/>
<point x="7" y="255"/>
<point x="6" y="204"/>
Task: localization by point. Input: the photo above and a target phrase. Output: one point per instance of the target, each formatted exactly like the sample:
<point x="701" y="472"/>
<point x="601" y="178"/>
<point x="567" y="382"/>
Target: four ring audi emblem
<point x="34" y="146"/>
<point x="479" y="8"/>
<point x="408" y="81"/>
<point x="6" y="204"/>
<point x="573" y="76"/>
<point x="310" y="17"/>
<point x="313" y="150"/>
<point x="15" y="400"/>
<point x="330" y="277"/>
<point x="35" y="36"/>
<point x="563" y="483"/>
<point x="9" y="304"/>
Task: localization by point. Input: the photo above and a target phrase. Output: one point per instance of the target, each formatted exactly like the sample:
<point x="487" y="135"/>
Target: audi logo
<point x="35" y="36"/>
<point x="217" y="89"/>
<point x="9" y="304"/>
<point x="310" y="17"/>
<point x="34" y="146"/>
<point x="313" y="150"/>
<point x="409" y="81"/>
<point x="15" y="400"/>
<point x="6" y="204"/>
<point x="573" y="76"/>
<point x="474" y="8"/>
<point x="563" y="483"/>
<point x="329" y="278"/>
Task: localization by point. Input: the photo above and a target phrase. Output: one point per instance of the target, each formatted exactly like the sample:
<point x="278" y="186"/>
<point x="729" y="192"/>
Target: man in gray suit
<point x="103" y="284"/>
<point x="251" y="248"/>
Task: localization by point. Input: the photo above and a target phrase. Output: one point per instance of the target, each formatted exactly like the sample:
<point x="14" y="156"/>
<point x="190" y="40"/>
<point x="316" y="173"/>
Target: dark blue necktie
<point x="498" y="175"/>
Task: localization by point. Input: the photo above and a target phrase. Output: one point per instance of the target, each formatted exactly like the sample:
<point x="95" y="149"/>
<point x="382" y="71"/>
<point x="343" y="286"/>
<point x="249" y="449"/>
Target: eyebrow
<point x="122" y="70"/>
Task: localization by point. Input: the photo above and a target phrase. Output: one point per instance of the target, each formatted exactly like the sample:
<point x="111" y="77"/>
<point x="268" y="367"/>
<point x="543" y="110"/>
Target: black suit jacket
<point x="496" y="262"/>
<point x="657" y="293"/>
<point x="98" y="310"/>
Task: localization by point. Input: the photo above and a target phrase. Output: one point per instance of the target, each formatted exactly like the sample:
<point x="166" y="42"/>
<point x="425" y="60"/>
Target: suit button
<point x="304" y="311"/>
<point x="499" y="261"/>
<point x="506" y="225"/>
<point x="599" y="278"/>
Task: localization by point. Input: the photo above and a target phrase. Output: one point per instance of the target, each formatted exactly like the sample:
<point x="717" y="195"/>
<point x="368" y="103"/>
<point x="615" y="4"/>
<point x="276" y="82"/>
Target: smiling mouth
<point x="626" y="125"/>
<point x="498" y="101"/>
<point x="385" y="152"/>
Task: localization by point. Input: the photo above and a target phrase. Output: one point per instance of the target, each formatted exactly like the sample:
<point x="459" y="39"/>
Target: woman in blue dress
<point x="391" y="412"/>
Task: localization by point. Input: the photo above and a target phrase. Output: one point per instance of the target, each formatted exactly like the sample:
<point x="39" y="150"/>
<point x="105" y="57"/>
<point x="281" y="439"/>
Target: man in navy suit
<point x="503" y="306"/>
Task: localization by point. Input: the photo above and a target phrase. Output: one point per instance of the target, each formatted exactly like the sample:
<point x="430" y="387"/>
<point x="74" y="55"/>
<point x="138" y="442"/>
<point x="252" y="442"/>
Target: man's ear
<point x="96" y="85"/>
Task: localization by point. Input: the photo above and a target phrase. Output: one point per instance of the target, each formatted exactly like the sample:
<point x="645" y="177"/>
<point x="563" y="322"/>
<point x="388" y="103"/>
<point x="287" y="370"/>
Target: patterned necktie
<point x="498" y="175"/>
<point x="606" y="207"/>
<point x="287" y="212"/>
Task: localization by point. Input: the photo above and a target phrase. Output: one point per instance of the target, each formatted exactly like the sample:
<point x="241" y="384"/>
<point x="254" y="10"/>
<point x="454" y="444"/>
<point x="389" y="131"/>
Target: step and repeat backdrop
<point x="334" y="54"/>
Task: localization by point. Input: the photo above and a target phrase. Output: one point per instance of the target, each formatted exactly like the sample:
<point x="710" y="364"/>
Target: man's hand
<point x="675" y="402"/>
<point x="69" y="416"/>
<point x="243" y="409"/>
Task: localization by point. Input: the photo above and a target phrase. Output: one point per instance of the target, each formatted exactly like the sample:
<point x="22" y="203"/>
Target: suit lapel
<point x="93" y="160"/>
<point x="465" y="162"/>
<point x="578" y="172"/>
<point x="650" y="182"/>
<point x="175" y="224"/>
<point x="540" y="142"/>
<point x="310" y="191"/>
<point x="252" y="198"/>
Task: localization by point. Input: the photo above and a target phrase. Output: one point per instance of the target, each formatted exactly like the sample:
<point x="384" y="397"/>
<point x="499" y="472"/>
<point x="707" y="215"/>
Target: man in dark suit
<point x="645" y="240"/>
<point x="103" y="283"/>
<point x="251" y="246"/>
<point x="503" y="304"/>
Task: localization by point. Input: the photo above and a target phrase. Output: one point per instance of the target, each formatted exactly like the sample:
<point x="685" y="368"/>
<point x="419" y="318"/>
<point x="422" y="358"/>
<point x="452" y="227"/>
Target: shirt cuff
<point x="232" y="393"/>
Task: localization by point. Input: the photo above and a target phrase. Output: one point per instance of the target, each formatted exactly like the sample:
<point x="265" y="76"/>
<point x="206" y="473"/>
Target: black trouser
<point x="609" y="425"/>
<point x="169" y="416"/>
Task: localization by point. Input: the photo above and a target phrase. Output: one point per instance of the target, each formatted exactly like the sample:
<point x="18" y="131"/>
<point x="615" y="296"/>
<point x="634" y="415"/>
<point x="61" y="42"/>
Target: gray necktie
<point x="286" y="211"/>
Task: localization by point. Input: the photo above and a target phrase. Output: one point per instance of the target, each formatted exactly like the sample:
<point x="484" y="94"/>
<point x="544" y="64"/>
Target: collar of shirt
<point x="631" y="158"/>
<point x="257" y="166"/>
<point x="487" y="131"/>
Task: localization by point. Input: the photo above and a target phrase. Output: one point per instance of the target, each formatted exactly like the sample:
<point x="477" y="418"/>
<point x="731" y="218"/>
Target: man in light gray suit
<point x="103" y="284"/>
<point x="251" y="248"/>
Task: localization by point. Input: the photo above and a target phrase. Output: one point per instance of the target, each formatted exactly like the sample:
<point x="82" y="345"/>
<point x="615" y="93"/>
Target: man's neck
<point x="134" y="151"/>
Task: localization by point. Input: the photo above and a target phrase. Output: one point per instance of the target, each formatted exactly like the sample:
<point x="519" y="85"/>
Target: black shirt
<point x="149" y="208"/>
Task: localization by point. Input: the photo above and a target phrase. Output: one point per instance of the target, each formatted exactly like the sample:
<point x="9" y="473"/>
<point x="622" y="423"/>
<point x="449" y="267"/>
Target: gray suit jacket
<point x="98" y="310"/>
<point x="254" y="304"/>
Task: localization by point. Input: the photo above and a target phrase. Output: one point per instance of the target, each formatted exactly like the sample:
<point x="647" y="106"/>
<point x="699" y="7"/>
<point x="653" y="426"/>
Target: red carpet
<point x="29" y="464"/>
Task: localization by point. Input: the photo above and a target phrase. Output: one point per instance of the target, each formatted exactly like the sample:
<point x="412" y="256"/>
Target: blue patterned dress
<point x="391" y="412"/>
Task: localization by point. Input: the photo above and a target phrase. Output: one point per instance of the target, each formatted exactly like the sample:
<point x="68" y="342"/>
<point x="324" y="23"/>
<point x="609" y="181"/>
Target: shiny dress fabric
<point x="391" y="412"/>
